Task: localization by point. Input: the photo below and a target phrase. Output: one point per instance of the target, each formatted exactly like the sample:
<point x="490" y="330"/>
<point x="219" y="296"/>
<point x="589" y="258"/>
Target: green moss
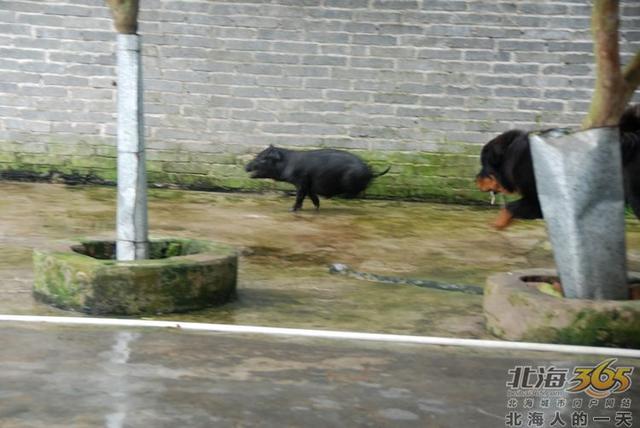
<point x="608" y="328"/>
<point x="612" y="328"/>
<point x="435" y="176"/>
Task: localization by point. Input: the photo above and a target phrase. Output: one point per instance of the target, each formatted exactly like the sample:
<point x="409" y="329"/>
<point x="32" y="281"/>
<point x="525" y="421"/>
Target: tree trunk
<point x="125" y="15"/>
<point x="614" y="88"/>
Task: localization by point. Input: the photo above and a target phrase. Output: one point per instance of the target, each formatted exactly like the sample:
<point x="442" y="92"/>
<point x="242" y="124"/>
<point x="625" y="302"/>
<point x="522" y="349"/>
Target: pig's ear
<point x="275" y="154"/>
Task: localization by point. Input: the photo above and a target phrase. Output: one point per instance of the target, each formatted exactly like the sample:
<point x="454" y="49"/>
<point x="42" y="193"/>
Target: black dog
<point x="324" y="172"/>
<point x="507" y="168"/>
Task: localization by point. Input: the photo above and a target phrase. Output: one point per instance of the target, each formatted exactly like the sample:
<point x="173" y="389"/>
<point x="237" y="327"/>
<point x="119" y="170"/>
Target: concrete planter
<point x="515" y="308"/>
<point x="181" y="275"/>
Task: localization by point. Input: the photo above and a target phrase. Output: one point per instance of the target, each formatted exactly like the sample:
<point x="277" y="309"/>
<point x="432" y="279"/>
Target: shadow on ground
<point x="284" y="279"/>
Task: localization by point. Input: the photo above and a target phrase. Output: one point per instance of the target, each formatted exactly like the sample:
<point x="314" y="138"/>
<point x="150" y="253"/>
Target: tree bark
<point x="125" y="15"/>
<point x="614" y="88"/>
<point x="607" y="102"/>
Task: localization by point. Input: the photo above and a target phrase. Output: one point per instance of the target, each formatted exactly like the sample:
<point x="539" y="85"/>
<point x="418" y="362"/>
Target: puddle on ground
<point x="284" y="275"/>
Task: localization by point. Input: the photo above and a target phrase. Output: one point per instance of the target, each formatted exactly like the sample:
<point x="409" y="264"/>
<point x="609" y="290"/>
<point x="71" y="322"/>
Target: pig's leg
<point x="300" y="194"/>
<point x="315" y="200"/>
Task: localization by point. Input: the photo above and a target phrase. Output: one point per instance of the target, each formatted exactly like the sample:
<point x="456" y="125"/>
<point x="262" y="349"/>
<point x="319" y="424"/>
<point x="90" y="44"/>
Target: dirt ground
<point x="284" y="277"/>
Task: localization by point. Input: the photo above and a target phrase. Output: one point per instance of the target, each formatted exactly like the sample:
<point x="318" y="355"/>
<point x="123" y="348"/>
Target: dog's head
<point x="492" y="160"/>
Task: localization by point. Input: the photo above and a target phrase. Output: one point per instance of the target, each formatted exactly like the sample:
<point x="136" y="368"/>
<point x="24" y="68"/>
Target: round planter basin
<point x="180" y="275"/>
<point x="522" y="305"/>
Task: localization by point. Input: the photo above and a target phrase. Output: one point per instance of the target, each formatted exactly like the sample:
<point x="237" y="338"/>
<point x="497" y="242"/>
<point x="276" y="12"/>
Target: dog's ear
<point x="494" y="151"/>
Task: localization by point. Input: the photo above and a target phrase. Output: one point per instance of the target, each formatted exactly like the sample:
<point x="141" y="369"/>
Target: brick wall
<point x="418" y="84"/>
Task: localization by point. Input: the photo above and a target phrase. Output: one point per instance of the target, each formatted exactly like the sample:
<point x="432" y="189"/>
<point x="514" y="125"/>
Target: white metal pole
<point x="132" y="226"/>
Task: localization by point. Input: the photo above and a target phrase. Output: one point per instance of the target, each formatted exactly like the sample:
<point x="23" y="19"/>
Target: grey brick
<point x="231" y="102"/>
<point x="280" y="81"/>
<point x="542" y="9"/>
<point x="44" y="20"/>
<point x="395" y="98"/>
<point x="395" y="4"/>
<point x="470" y="43"/>
<point x="347" y="4"/>
<point x="370" y="39"/>
<point x="570" y="69"/>
<point x="511" y="68"/>
<point x="67" y="10"/>
<point x="447" y="54"/>
<point x="401" y="29"/>
<point x="348" y="96"/>
<point x="446" y="5"/>
<point x="361" y="27"/>
<point x="371" y="63"/>
<point x="324" y="37"/>
<point x="16" y="77"/>
<point x="260" y="69"/>
<point x="15" y="29"/>
<point x="321" y="106"/>
<point x="48" y="91"/>
<point x="162" y="85"/>
<point x="323" y="60"/>
<point x="327" y="83"/>
<point x="567" y="94"/>
<point x="185" y="76"/>
<point x="518" y="92"/>
<point x="547" y="106"/>
<point x="21" y="54"/>
<point x="295" y="47"/>
<point x="331" y="14"/>
<point x="91" y="70"/>
<point x="276" y="58"/>
<point x="392" y="52"/>
<point x="449" y="30"/>
<point x="518" y="45"/>
<point x="577" y="46"/>
<point x="247" y="45"/>
<point x="302" y="94"/>
<point x="487" y="56"/>
<point x="306" y="71"/>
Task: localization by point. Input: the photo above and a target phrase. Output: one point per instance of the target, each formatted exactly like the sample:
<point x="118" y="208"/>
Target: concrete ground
<point x="55" y="376"/>
<point x="61" y="376"/>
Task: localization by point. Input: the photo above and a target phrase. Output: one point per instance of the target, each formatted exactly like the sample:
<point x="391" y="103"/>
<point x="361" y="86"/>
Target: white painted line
<point x="330" y="334"/>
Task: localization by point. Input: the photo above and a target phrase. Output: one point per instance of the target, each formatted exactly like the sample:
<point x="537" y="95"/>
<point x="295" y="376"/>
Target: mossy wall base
<point x="185" y="275"/>
<point x="446" y="177"/>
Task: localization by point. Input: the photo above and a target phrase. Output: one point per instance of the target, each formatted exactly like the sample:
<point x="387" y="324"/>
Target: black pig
<point x="324" y="172"/>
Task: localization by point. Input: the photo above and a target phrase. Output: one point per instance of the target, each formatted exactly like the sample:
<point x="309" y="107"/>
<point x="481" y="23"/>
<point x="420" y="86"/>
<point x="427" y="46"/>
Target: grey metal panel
<point x="579" y="182"/>
<point x="132" y="225"/>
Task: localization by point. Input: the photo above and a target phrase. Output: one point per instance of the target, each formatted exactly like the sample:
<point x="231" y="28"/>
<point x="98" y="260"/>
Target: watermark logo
<point x="602" y="380"/>
<point x="585" y="396"/>
<point x="598" y="381"/>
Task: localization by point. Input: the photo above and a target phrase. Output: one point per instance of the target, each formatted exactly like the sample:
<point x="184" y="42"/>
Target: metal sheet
<point x="579" y="182"/>
<point x="132" y="226"/>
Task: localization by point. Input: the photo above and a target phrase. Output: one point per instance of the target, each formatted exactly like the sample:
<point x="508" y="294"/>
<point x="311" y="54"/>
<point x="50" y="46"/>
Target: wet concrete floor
<point x="60" y="376"/>
<point x="283" y="277"/>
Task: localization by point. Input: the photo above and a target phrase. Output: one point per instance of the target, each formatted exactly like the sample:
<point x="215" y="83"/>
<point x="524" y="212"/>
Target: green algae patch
<point x="619" y="328"/>
<point x="181" y="275"/>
